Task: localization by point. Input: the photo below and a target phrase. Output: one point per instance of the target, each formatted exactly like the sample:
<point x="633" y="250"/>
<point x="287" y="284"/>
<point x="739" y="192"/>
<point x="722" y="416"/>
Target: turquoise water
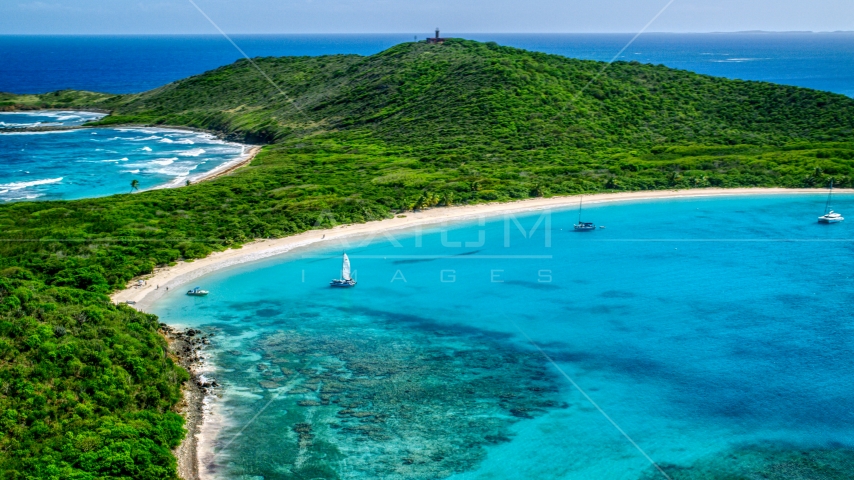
<point x="71" y="164"/>
<point x="716" y="333"/>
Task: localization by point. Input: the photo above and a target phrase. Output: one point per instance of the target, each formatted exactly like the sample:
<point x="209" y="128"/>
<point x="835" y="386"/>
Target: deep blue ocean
<point x="126" y="64"/>
<point x="717" y="333"/>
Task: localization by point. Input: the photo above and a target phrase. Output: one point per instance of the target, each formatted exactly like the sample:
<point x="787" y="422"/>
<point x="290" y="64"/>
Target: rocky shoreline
<point x="54" y="128"/>
<point x="187" y="348"/>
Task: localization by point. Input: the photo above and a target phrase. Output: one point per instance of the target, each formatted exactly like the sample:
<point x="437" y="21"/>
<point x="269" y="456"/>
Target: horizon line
<point x="430" y="33"/>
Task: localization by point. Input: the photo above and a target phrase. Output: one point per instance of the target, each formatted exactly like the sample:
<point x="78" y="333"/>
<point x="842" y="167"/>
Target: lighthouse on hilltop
<point x="436" y="39"/>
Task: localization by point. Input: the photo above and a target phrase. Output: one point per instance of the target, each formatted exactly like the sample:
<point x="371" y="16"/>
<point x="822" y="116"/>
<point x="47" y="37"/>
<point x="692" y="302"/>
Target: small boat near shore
<point x="197" y="292"/>
<point x="583" y="226"/>
<point x="345" y="281"/>
<point x="829" y="215"/>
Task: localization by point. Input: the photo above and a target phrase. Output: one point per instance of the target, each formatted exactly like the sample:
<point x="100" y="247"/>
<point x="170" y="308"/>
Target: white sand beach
<point x="226" y="168"/>
<point x="183" y="272"/>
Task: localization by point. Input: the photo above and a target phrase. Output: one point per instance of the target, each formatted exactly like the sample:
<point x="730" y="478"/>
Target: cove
<point x="702" y="327"/>
<point x="93" y="162"/>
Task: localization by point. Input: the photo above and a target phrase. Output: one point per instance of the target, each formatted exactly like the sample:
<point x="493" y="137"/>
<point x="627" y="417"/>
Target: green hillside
<point x="85" y="388"/>
<point x="518" y="121"/>
<point x="498" y="99"/>
<point x="58" y="99"/>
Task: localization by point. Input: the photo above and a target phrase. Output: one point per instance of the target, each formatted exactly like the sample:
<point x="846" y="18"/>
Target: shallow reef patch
<point x="381" y="402"/>
<point x="766" y="462"/>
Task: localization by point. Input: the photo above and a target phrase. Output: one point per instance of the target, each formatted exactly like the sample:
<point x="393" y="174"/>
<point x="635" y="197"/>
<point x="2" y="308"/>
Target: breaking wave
<point x="164" y="161"/>
<point x="34" y="183"/>
<point x="192" y="153"/>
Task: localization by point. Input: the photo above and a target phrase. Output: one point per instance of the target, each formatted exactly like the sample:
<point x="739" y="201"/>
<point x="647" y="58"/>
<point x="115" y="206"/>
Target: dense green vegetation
<point x="58" y="99"/>
<point x="478" y="99"/>
<point x="85" y="387"/>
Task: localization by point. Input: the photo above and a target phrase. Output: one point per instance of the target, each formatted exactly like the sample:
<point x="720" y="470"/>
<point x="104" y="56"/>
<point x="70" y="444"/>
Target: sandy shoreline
<point x="170" y="278"/>
<point x="229" y="167"/>
<point x="245" y="158"/>
<point x="184" y="272"/>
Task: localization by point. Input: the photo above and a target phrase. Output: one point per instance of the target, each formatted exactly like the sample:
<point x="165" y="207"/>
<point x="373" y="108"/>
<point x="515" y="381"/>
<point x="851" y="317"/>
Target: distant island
<point x="88" y="387"/>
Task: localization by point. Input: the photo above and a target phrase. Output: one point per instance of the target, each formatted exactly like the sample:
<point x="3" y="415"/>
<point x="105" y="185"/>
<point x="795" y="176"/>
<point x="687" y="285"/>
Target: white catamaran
<point x="829" y="215"/>
<point x="345" y="280"/>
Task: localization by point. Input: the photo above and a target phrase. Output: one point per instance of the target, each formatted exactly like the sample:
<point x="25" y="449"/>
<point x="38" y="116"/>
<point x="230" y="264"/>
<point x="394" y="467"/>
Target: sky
<point x="419" y="16"/>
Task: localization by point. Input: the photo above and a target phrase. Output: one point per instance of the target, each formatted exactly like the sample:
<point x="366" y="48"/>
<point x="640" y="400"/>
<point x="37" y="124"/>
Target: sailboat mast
<point x="580" y="203"/>
<point x="829" y="194"/>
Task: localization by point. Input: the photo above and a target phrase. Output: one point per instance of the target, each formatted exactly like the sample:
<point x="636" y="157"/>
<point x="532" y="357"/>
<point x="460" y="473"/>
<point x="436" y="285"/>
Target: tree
<point x="134" y="185"/>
